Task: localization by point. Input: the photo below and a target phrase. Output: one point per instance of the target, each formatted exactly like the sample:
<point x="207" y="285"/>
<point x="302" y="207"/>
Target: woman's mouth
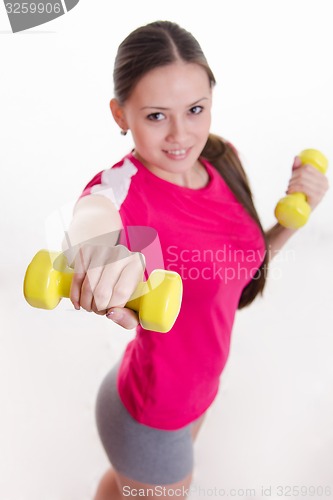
<point x="178" y="154"/>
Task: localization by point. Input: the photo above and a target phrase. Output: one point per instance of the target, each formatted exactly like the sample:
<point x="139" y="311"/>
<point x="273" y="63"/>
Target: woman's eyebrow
<point x="161" y="108"/>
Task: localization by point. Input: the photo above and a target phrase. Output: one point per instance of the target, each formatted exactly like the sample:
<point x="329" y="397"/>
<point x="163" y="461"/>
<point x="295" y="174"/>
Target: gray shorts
<point x="140" y="452"/>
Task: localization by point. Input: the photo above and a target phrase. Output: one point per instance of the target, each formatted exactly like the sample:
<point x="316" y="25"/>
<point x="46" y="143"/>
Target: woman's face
<point x="169" y="115"/>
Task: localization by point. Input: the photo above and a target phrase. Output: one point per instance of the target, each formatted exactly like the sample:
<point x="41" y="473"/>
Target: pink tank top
<point x="168" y="380"/>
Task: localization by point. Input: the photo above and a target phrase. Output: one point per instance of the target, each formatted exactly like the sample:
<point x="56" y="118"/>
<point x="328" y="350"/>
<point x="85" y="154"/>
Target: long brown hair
<point x="224" y="158"/>
<point x="161" y="43"/>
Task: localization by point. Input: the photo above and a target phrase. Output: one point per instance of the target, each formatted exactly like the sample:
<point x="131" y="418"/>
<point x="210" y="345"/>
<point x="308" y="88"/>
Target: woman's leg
<point x="115" y="486"/>
<point x="150" y="455"/>
<point x="108" y="488"/>
<point x="111" y="484"/>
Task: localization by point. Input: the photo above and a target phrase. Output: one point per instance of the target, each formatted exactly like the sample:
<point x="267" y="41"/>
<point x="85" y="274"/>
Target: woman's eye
<point x="156" y="117"/>
<point x="196" y="110"/>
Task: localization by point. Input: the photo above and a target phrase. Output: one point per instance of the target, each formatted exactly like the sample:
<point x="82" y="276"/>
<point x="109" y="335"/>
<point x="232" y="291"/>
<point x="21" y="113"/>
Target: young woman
<point x="188" y="188"/>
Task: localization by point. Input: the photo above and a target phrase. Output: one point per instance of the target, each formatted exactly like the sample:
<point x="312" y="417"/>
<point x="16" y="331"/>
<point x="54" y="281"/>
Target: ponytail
<point x="224" y="158"/>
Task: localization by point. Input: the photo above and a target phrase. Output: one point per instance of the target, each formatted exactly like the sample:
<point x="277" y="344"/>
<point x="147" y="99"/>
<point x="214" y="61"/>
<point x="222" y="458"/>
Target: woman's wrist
<point x="277" y="236"/>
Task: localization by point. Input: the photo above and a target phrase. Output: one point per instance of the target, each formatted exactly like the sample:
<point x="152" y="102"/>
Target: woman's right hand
<point x="104" y="280"/>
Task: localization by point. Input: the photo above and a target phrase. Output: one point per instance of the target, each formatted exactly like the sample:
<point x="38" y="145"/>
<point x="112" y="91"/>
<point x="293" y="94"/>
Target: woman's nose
<point x="177" y="131"/>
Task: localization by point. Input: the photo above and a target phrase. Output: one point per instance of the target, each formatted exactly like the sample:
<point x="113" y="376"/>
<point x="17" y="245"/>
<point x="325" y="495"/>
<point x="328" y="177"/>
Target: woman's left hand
<point x="308" y="180"/>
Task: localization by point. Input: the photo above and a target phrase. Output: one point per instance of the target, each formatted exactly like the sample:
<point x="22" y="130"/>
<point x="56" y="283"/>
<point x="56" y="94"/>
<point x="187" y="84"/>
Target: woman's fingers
<point x="105" y="278"/>
<point x="127" y="283"/>
<point x="117" y="283"/>
<point x="81" y="264"/>
<point x="310" y="181"/>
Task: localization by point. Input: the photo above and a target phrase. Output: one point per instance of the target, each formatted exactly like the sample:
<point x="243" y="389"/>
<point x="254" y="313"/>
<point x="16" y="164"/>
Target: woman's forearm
<point x="277" y="236"/>
<point x="95" y="221"/>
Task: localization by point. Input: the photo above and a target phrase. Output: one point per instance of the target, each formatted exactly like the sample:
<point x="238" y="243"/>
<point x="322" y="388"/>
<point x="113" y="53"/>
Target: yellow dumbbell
<point x="293" y="210"/>
<point x="48" y="279"/>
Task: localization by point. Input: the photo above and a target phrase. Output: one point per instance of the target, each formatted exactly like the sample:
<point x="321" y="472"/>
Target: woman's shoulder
<point x="113" y="182"/>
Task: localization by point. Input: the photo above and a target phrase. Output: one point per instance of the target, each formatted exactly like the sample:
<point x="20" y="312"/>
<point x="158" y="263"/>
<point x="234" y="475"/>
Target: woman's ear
<point x="118" y="114"/>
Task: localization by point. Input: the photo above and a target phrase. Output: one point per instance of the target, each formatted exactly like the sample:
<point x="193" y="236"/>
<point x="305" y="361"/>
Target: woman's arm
<point x="95" y="220"/>
<point x="103" y="273"/>
<point x="277" y="236"/>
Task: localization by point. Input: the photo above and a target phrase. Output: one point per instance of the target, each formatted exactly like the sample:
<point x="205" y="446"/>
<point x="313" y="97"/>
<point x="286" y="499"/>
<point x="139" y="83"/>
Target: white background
<point x="271" y="423"/>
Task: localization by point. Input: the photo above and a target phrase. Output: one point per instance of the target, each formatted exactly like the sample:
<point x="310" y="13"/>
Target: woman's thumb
<point x="297" y="162"/>
<point x="124" y="317"/>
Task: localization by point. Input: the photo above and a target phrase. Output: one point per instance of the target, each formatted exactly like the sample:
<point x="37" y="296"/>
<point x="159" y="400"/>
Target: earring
<point x="123" y="132"/>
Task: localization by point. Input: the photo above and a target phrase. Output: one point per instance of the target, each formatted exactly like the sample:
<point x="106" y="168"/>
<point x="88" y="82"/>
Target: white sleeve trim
<point x="115" y="183"/>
